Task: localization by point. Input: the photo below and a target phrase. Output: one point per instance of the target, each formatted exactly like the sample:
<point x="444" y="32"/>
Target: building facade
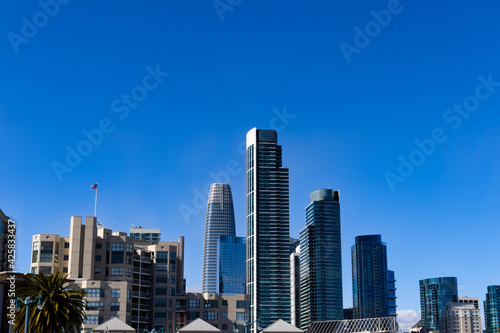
<point x="460" y="318"/>
<point x="147" y="235"/>
<point x="231" y="263"/>
<point x="492" y="309"/>
<point x="321" y="260"/>
<point x="391" y="286"/>
<point x="268" y="229"/>
<point x="370" y="277"/>
<point x="219" y="222"/>
<point x="295" y="287"/>
<point x="124" y="278"/>
<point x="435" y="293"/>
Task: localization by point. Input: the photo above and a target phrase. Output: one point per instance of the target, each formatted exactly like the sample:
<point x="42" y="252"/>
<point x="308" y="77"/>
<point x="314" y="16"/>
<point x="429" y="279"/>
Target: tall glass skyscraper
<point x="321" y="260"/>
<point x="370" y="291"/>
<point x="391" y="285"/>
<point x="435" y="293"/>
<point x="231" y="265"/>
<point x="268" y="229"/>
<point x="219" y="222"/>
<point x="492" y="309"/>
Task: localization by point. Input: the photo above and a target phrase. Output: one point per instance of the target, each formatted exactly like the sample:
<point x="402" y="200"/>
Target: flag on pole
<point x="94" y="186"/>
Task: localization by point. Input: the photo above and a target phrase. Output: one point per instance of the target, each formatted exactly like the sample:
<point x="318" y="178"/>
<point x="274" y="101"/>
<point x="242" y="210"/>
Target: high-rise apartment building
<point x="391" y="285"/>
<point x="460" y="318"/>
<point x="147" y="235"/>
<point x="133" y="282"/>
<point x="231" y="263"/>
<point x="435" y="293"/>
<point x="268" y="229"/>
<point x="492" y="309"/>
<point x="219" y="222"/>
<point x="295" y="287"/>
<point x="321" y="260"/>
<point x="370" y="290"/>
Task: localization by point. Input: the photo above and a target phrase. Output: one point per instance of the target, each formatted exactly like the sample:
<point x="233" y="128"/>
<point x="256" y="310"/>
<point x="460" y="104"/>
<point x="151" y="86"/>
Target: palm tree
<point x="62" y="306"/>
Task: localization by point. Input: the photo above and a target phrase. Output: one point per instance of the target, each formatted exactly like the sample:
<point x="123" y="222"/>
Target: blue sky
<point x="345" y="122"/>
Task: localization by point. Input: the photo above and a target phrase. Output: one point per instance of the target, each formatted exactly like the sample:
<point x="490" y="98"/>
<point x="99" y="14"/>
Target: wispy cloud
<point x="407" y="318"/>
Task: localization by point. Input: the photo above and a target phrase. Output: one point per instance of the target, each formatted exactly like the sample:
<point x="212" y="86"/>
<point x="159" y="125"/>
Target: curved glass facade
<point x="219" y="222"/>
<point x="321" y="260"/>
<point x="435" y="293"/>
<point x="492" y="309"/>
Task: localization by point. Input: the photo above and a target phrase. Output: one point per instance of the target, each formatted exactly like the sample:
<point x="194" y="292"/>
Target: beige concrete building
<point x="469" y="300"/>
<point x="139" y="282"/>
<point x="460" y="318"/>
<point x="122" y="276"/>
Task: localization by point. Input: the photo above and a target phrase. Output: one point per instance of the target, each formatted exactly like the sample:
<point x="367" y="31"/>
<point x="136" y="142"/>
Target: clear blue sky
<point x="351" y="121"/>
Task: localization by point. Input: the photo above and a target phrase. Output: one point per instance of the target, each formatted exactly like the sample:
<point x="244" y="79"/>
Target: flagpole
<point x="95" y="204"/>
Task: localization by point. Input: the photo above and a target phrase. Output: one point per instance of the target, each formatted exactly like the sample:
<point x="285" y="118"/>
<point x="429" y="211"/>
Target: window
<point x="160" y="315"/>
<point x="192" y="315"/>
<point x="115" y="306"/>
<point x="129" y="294"/>
<point x="98" y="246"/>
<point x="161" y="260"/>
<point x="92" y="319"/>
<point x="117" y="253"/>
<point x="33" y="270"/>
<point x="66" y="245"/>
<point x="224" y="302"/>
<point x="172" y="257"/>
<point x="242" y="304"/>
<point x="98" y="306"/>
<point x="111" y="317"/>
<point x="46" y="251"/>
<point x="97" y="270"/>
<point x="210" y="315"/>
<point x="210" y="303"/>
<point x="224" y="327"/>
<point x="65" y="269"/>
<point x="116" y="271"/>
<point x="34" y="257"/>
<point x="161" y="291"/>
<point x="161" y="279"/>
<point x="66" y="257"/>
<point x="172" y="267"/>
<point x="115" y="293"/>
<point x="130" y="248"/>
<point x="241" y="316"/>
<point x="160" y="303"/>
<point x="128" y="272"/>
<point x="97" y="258"/>
<point x="47" y="270"/>
<point x="172" y="279"/>
<point x="95" y="292"/>
<point x="171" y="291"/>
<point x="193" y="303"/>
<point x="169" y="303"/>
<point x="224" y="314"/>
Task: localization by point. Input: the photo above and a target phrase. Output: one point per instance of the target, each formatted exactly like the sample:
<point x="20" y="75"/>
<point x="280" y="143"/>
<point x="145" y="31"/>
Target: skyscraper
<point x="219" y="222"/>
<point x="268" y="229"/>
<point x="435" y="293"/>
<point x="295" y="287"/>
<point x="369" y="277"/>
<point x="492" y="309"/>
<point x="321" y="260"/>
<point x="391" y="285"/>
<point x="231" y="263"/>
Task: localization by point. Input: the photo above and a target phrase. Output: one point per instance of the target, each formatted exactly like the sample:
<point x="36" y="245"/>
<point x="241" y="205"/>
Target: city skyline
<point x="153" y="100"/>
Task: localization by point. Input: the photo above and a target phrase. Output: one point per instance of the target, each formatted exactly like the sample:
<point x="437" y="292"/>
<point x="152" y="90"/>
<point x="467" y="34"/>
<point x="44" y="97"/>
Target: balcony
<point x="140" y="294"/>
<point x="140" y="319"/>
<point x="142" y="270"/>
<point x="141" y="282"/>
